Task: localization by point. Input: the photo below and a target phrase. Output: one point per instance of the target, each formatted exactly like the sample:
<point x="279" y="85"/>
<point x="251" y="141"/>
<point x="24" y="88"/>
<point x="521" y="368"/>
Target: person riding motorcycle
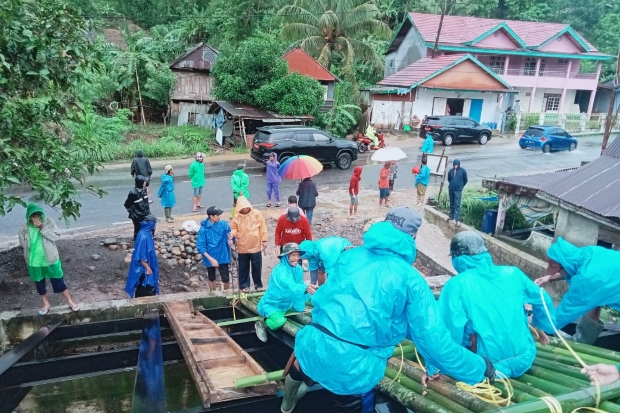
<point x="371" y="134"/>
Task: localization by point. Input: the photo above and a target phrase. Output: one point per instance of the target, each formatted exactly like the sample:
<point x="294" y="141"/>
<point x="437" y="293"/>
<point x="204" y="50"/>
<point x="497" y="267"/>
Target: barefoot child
<point x="354" y="189"/>
<point x="422" y="178"/>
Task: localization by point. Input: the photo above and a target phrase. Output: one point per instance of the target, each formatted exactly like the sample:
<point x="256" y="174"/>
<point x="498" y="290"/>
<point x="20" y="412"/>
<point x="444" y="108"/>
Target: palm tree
<point x="330" y="29"/>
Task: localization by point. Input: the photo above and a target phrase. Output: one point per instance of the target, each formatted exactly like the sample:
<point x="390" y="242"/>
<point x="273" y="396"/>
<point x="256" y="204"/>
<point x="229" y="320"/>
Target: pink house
<point x="550" y="66"/>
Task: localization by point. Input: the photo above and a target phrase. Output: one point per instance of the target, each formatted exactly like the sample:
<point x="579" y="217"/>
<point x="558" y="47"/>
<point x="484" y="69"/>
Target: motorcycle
<point x="364" y="143"/>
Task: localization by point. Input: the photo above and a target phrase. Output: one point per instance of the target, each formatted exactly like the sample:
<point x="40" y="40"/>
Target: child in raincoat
<point x="166" y="193"/>
<point x="273" y="179"/>
<point x="429" y="143"/>
<point x="286" y="291"/>
<point x="240" y="184"/>
<point x="422" y="178"/>
<point x="322" y="255"/>
<point x="354" y="189"/>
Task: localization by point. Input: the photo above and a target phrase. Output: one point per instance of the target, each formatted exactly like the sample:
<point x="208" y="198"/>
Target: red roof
<point x="300" y="61"/>
<point x="419" y="70"/>
<point x="457" y="30"/>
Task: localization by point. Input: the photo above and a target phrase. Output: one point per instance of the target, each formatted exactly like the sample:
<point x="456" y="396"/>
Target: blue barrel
<point x="489" y="221"/>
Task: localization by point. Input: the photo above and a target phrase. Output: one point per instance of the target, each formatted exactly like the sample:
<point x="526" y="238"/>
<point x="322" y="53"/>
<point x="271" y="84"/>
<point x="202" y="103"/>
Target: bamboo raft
<point x="554" y="374"/>
<point x="213" y="358"/>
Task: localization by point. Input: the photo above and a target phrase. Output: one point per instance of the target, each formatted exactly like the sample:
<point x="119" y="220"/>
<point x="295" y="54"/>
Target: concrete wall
<point x="410" y="50"/>
<point x="423" y="104"/>
<point x="498" y="40"/>
<point x="537" y="106"/>
<point x="576" y="229"/>
<point x="563" y="44"/>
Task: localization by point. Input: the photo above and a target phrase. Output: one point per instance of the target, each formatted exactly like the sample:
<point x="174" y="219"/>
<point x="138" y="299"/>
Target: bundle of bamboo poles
<point x="554" y="374"/>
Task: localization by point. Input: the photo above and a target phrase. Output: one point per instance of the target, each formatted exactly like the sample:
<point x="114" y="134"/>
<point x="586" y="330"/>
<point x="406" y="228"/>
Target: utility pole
<point x="610" y="121"/>
<point x="443" y="12"/>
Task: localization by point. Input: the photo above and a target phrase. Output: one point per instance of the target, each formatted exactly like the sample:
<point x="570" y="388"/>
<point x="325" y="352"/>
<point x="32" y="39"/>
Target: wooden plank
<point x="224" y="362"/>
<point x="208" y="340"/>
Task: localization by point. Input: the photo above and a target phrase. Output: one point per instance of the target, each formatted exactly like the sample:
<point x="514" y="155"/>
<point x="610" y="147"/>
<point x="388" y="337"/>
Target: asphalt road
<point x="501" y="157"/>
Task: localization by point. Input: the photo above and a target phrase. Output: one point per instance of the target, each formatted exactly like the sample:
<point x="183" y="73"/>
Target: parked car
<point x="287" y="141"/>
<point x="547" y="139"/>
<point x="450" y="129"/>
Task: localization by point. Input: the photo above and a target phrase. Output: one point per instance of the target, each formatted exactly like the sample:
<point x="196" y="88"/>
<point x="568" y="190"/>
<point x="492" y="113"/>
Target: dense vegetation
<point x="69" y="97"/>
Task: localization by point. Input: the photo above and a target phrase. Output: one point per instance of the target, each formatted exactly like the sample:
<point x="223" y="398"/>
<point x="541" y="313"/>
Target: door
<point x="475" y="110"/>
<point x="559" y="139"/>
<point x="303" y="144"/>
<point x="439" y="106"/>
<point x="468" y="129"/>
<point x="323" y="148"/>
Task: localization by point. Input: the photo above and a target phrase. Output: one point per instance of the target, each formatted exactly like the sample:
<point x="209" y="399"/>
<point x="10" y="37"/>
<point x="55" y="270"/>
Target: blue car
<point x="547" y="139"/>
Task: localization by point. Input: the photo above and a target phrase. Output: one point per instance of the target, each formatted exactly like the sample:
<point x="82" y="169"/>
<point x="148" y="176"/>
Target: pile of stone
<point x="178" y="248"/>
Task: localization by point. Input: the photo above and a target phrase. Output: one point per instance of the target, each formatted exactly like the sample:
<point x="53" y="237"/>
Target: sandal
<point x="75" y="308"/>
<point x="277" y="205"/>
<point x="200" y="206"/>
<point x="44" y="311"/>
<point x="194" y="210"/>
<point x="259" y="289"/>
<point x="268" y="204"/>
<point x="245" y="290"/>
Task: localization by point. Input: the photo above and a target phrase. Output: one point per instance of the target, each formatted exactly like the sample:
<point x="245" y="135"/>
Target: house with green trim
<point x="548" y="66"/>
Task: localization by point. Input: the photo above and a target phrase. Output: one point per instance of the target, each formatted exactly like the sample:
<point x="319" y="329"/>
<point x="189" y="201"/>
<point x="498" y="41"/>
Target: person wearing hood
<point x="38" y="237"/>
<point x="307" y="193"/>
<point x="428" y="146"/>
<point x="214" y="245"/>
<point x="137" y="204"/>
<point x="286" y="291"/>
<point x="457" y="179"/>
<point x="483" y="307"/>
<point x="143" y="275"/>
<point x="166" y="193"/>
<point x="249" y="229"/>
<point x="354" y="189"/>
<point x="593" y="282"/>
<point x="322" y="255"/>
<point x="240" y="184"/>
<point x="273" y="179"/>
<point x="142" y="166"/>
<point x="196" y="173"/>
<point x="374" y="299"/>
<point x="422" y="179"/>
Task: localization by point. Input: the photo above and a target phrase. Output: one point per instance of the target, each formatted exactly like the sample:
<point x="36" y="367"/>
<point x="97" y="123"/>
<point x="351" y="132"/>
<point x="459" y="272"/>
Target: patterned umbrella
<point x="300" y="167"/>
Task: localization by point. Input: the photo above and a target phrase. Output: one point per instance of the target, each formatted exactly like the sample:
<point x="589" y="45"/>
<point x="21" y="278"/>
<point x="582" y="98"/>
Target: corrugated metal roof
<point x="300" y="61"/>
<point x="536" y="181"/>
<point x="613" y="149"/>
<point x="419" y="70"/>
<point x="240" y="110"/>
<point x="200" y="57"/>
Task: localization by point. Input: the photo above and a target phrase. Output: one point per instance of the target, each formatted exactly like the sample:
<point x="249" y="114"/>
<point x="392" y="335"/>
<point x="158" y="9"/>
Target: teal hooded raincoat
<point x="593" y="278"/>
<point x="325" y="250"/>
<point x="286" y="290"/>
<point x="488" y="300"/>
<point x="374" y="297"/>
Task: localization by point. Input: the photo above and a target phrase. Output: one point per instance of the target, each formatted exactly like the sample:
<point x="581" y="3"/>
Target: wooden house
<point x="191" y="96"/>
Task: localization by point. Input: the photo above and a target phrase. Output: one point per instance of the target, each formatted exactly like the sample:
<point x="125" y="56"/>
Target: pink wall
<point x="498" y="40"/>
<point x="563" y="44"/>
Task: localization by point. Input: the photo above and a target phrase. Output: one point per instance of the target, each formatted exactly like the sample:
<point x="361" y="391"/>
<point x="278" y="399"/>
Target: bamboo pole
<point x="542" y="384"/>
<point x="565" y="360"/>
<point x="408" y="398"/>
<point x="259" y="379"/>
<point x="569" y="371"/>
<point x="612" y="356"/>
<point x="563" y="352"/>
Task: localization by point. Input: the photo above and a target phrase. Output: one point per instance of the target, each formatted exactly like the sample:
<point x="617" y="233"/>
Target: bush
<point x="511" y="123"/>
<point x="294" y="95"/>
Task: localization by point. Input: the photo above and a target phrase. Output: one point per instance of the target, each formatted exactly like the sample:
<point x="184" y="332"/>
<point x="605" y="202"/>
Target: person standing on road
<point x="354" y="189"/>
<point x="213" y="244"/>
<point x="428" y="146"/>
<point x="137" y="204"/>
<point x="292" y="227"/>
<point x="38" y="237"/>
<point x="166" y="193"/>
<point x="142" y="166"/>
<point x="240" y="184"/>
<point x="273" y="179"/>
<point x="197" y="175"/>
<point x="457" y="178"/>
<point x="422" y="179"/>
<point x="143" y="274"/>
<point x="393" y="174"/>
<point x="384" y="185"/>
<point x="307" y="193"/>
<point x="250" y="230"/>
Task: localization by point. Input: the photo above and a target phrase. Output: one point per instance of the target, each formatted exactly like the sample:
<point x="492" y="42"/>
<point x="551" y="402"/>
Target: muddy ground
<point x="104" y="279"/>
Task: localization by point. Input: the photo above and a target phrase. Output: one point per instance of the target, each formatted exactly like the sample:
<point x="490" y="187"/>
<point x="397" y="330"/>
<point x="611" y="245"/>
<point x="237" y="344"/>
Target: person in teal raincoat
<point x="428" y="145"/>
<point x="483" y="307"/>
<point x="593" y="278"/>
<point x="286" y="291"/>
<point x="322" y="255"/>
<point x="166" y="193"/>
<point x="240" y="185"/>
<point x="422" y="179"/>
<point x="373" y="300"/>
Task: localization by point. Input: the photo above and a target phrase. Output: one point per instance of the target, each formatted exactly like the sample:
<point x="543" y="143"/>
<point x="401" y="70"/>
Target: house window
<point x="530" y="66"/>
<point x="325" y="89"/>
<point x="552" y="102"/>
<point x="496" y="64"/>
<point x="563" y="62"/>
<point x="541" y="68"/>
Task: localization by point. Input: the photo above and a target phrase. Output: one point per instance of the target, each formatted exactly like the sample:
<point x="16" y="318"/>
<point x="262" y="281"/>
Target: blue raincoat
<point x="213" y="239"/>
<point x="424" y="176"/>
<point x="593" y="278"/>
<point x="166" y="191"/>
<point x="488" y="300"/>
<point x="325" y="250"/>
<point x="144" y="250"/>
<point x="376" y="298"/>
<point x="286" y="290"/>
<point x="428" y="145"/>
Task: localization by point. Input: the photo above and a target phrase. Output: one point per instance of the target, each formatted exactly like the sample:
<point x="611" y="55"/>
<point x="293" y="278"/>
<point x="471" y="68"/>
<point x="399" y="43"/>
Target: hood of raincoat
<point x="250" y="229"/>
<point x="242" y="202"/>
<point x="383" y="239"/>
<point x="139" y="153"/>
<point x="325" y="250"/>
<point x="286" y="290"/>
<point x="567" y="255"/>
<point x="140" y="181"/>
<point x="147" y="226"/>
<point x="478" y="262"/>
<point x="456" y="162"/>
<point x="357" y="171"/>
<point x="272" y="169"/>
<point x="34" y="208"/>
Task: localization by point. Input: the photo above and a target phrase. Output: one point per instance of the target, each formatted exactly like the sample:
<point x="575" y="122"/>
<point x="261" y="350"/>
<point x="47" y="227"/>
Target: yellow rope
<point x="402" y="362"/>
<point x="485" y="391"/>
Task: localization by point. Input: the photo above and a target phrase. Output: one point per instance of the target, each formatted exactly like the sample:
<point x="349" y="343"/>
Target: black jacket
<point x="141" y="166"/>
<point x="137" y="202"/>
<point x="307" y="193"/>
<point x="457" y="182"/>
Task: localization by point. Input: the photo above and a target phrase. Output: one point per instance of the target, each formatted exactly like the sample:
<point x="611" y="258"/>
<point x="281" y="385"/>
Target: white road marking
<point x="121" y="223"/>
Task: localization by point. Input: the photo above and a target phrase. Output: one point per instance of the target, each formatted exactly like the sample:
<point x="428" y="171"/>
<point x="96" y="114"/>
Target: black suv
<point x="450" y="129"/>
<point x="287" y="141"/>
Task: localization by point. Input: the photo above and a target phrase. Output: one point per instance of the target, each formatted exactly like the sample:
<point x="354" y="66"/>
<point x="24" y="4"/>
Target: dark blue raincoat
<point x="144" y="250"/>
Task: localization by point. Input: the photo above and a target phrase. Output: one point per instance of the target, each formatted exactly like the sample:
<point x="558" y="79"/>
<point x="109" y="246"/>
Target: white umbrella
<point x="391" y="153"/>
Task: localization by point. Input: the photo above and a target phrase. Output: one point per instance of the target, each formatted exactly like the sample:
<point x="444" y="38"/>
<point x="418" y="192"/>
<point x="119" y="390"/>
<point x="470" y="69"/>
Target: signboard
<point x="436" y="163"/>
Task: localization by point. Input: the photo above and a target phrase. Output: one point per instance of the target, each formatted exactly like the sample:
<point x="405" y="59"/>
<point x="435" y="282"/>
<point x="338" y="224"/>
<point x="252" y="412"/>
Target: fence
<point x="519" y="122"/>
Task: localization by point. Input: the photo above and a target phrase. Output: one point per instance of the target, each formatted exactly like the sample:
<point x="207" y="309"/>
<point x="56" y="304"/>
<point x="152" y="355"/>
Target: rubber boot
<point x="293" y="392"/>
<point x="588" y="330"/>
<point x="170" y="213"/>
<point x="167" y="214"/>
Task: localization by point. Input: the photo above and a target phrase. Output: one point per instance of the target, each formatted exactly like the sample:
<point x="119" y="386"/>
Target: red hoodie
<point x="354" y="185"/>
<point x="287" y="231"/>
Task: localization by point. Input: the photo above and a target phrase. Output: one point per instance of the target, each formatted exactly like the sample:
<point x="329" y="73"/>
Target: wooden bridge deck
<point x="213" y="358"/>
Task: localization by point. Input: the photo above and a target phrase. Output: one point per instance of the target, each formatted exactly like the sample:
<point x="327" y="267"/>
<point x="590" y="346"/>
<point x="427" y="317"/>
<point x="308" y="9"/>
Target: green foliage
<point x="511" y="123"/>
<point x="294" y="94"/>
<point x="472" y="208"/>
<point x="159" y="84"/>
<point x="343" y="119"/>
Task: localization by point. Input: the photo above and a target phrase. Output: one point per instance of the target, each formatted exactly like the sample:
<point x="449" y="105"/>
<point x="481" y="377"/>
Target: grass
<point x="240" y="149"/>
